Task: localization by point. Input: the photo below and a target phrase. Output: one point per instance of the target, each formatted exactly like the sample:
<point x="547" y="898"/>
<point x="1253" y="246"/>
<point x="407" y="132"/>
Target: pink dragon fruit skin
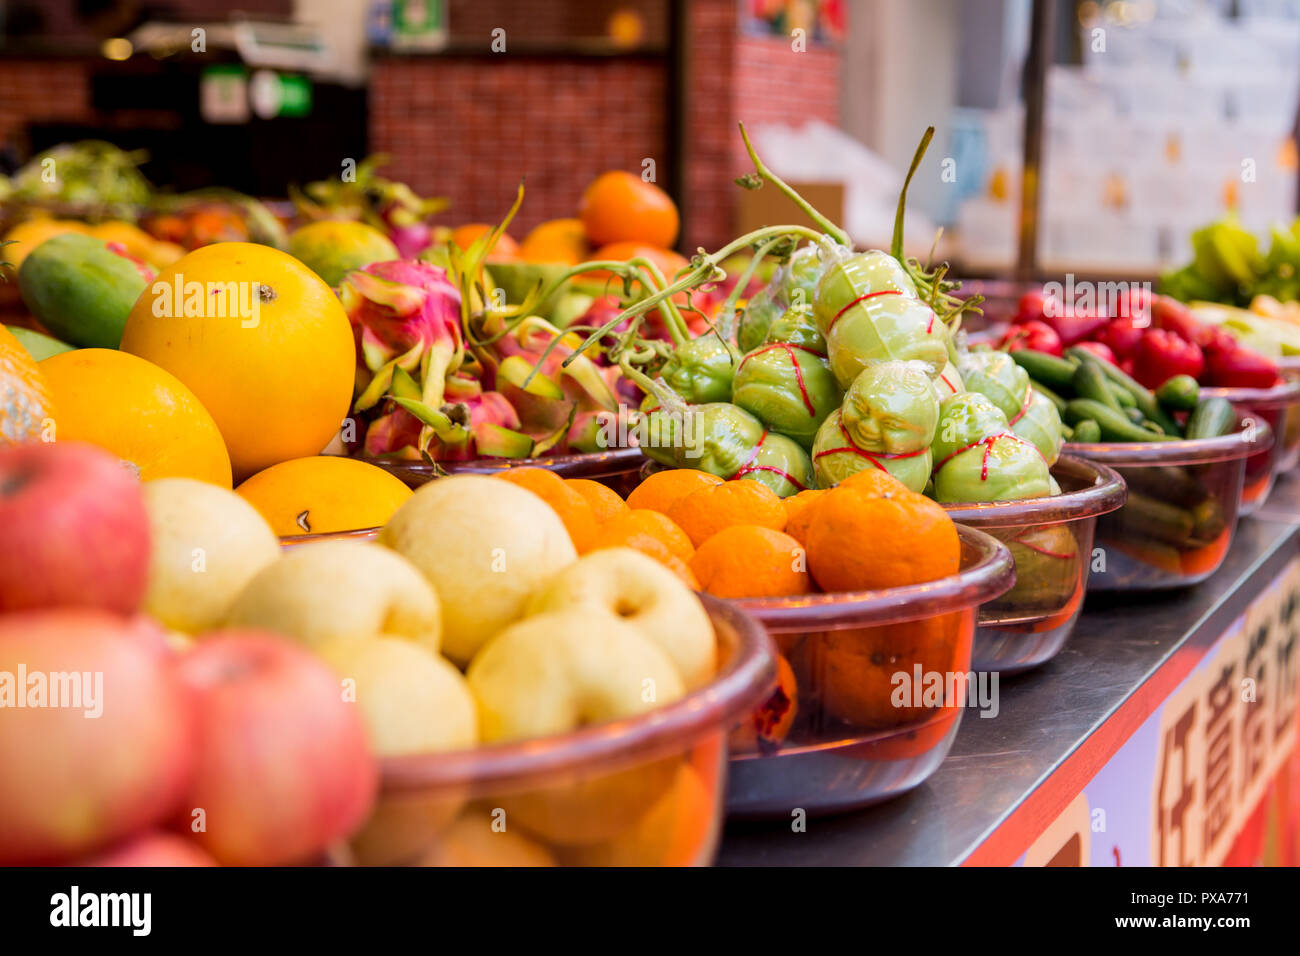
<point x="405" y="312"/>
<point x="398" y="432"/>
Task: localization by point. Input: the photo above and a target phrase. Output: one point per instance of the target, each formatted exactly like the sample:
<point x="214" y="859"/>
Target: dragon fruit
<point x="485" y="425"/>
<point x="405" y="314"/>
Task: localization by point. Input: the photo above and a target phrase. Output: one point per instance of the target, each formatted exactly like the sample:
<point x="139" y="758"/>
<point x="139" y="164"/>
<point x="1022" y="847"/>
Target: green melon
<point x="81" y="289"/>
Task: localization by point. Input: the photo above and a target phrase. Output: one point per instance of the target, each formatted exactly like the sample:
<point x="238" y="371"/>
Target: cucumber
<point x="1114" y="425"/>
<point x="1179" y="394"/>
<point x="1086" y="432"/>
<point x="1158" y="520"/>
<point x="1134" y="415"/>
<point x="1144" y="398"/>
<point x="1122" y="394"/>
<point x="1090" y="381"/>
<point x="1211" y="418"/>
<point x="1051" y="371"/>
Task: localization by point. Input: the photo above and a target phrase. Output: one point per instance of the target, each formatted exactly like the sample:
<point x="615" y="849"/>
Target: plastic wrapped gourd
<point x="700" y="371"/>
<point x="997" y="376"/>
<point x="1039" y="422"/>
<point x="836" y="457"/>
<point x="997" y="468"/>
<point x="891" y="407"/>
<point x="788" y="388"/>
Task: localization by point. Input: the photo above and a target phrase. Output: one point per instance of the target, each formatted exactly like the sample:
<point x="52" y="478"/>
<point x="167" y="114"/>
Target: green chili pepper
<point x="788" y="388"/>
<point x="836" y="457"/>
<point x="997" y="376"/>
<point x="700" y="371"/>
<point x="1040" y="422"/>
<point x="891" y="407"/>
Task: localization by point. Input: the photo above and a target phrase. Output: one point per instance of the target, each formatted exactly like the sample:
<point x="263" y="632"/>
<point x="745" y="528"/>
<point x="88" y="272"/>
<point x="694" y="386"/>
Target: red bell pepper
<point x="1100" y="350"/>
<point x="1122" y="334"/>
<point x="1033" y="305"/>
<point x="1172" y="316"/>
<point x="1239" y="367"/>
<point x="1035" y="335"/>
<point x="1162" y="354"/>
<point x="1073" y="324"/>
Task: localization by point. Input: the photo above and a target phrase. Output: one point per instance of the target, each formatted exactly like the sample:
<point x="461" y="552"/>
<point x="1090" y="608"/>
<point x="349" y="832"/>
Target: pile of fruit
<point x="209" y="656"/>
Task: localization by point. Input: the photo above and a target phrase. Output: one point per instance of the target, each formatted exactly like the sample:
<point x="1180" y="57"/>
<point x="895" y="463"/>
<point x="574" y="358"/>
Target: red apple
<point x="112" y="758"/>
<point x="152" y="848"/>
<point x="73" y="529"/>
<point x="284" y="769"/>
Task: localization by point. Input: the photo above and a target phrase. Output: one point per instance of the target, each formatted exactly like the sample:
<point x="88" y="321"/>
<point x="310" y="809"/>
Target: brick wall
<point x="45" y="89"/>
<point x="734" y="78"/>
<point x="469" y="127"/>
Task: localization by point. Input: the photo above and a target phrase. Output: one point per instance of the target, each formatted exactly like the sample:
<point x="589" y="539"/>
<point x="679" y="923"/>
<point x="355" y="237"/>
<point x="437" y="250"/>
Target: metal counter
<point x="1057" y="726"/>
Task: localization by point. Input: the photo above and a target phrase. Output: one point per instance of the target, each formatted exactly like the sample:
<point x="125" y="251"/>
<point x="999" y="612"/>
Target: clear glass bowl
<point x="831" y="737"/>
<point x="619" y="468"/>
<point x="1279" y="407"/>
<point x="1051" y="541"/>
<point x="1183" y="501"/>
<point x="646" y="791"/>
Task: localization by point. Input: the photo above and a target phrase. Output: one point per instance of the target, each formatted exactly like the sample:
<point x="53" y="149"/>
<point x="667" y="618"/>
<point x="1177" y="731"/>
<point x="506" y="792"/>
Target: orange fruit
<point x="139" y="412"/>
<point x="768" y="725"/>
<point x="683" y="570"/>
<point x="648" y="531"/>
<point x="604" y="500"/>
<point x="663" y="489"/>
<point x="873" y="481"/>
<point x="799" y="511"/>
<point x="264" y="344"/>
<point x="704" y="513"/>
<point x="860" y="541"/>
<point x="504" y="250"/>
<point x="747" y="560"/>
<point x="665" y="260"/>
<point x="621" y="207"/>
<point x="323" y="494"/>
<point x="26" y="400"/>
<point x="578" y="517"/>
<point x="556" y="240"/>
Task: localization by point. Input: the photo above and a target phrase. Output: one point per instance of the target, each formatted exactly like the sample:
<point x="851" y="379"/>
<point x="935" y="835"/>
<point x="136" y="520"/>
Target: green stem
<point x="896" y="247"/>
<point x="729" y="303"/>
<point x="814" y="214"/>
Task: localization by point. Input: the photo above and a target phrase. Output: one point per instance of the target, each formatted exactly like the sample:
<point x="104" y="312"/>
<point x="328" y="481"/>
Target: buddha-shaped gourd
<point x="887" y="420"/>
<point x="701" y="370"/>
<point x="996" y="376"/>
<point x="1040" y="423"/>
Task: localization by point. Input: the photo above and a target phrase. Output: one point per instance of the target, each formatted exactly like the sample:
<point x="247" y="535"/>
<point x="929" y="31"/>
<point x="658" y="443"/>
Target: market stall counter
<point x="1164" y="733"/>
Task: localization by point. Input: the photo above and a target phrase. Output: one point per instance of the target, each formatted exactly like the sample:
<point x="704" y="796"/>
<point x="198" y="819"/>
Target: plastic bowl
<point x="618" y="468"/>
<point x="1279" y="406"/>
<point x="645" y="791"/>
<point x="1183" y="501"/>
<point x="1051" y="541"/>
<point x="831" y="738"/>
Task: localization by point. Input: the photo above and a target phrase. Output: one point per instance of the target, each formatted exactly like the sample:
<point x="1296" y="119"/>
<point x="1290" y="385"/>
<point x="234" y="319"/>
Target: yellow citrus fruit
<point x="322" y="494"/>
<point x="262" y="342"/>
<point x="25" y="399"/>
<point x="138" y="411"/>
<point x="26" y="236"/>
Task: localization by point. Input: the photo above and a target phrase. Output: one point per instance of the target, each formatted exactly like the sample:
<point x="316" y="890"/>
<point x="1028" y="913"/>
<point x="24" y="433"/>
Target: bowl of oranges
<point x="870" y="592"/>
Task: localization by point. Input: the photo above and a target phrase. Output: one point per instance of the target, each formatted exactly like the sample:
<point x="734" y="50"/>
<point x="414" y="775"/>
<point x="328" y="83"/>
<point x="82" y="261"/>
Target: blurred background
<point x="1140" y="120"/>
